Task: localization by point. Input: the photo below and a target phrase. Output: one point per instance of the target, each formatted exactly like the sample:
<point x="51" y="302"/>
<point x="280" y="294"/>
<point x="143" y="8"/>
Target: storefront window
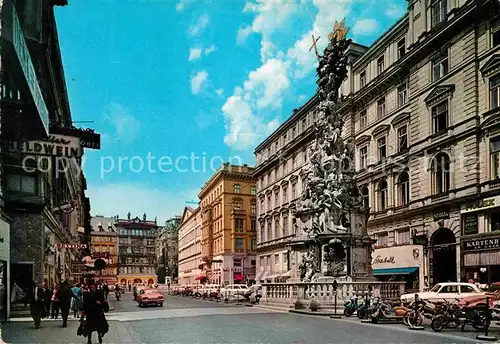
<point x="495" y="221"/>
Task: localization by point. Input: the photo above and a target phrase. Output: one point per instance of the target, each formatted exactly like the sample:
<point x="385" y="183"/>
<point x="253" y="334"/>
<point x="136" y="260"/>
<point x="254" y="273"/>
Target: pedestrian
<point x="37" y="304"/>
<point x="65" y="295"/>
<point x="93" y="319"/>
<point x="105" y="288"/>
<point x="54" y="303"/>
<point x="47" y="297"/>
<point x="76" y="303"/>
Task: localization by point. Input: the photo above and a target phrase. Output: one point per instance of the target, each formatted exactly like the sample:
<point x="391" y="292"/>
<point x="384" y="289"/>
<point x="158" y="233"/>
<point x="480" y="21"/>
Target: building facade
<point x="167" y="250"/>
<point x="229" y="238"/>
<point x="137" y="250"/>
<point x="421" y="106"/>
<point x="189" y="246"/>
<point x="42" y="196"/>
<point x="104" y="245"/>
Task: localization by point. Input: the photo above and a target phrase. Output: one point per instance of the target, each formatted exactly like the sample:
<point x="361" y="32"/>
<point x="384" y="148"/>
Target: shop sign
<point x="483" y="204"/>
<point x="77" y="246"/>
<point x="470" y="224"/>
<point x="482" y="244"/>
<point x="28" y="69"/>
<point x="397" y="257"/>
<point x="97" y="255"/>
<point x="54" y="145"/>
<point x="88" y="138"/>
<point x="441" y="215"/>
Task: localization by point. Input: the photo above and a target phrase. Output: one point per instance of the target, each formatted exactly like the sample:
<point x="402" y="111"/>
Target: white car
<point x="449" y="291"/>
<point x="208" y="289"/>
<point x="234" y="290"/>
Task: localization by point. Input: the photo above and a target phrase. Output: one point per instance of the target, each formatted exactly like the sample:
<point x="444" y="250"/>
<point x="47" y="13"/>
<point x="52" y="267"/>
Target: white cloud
<point x="243" y="33"/>
<point x="366" y="26"/>
<point x="303" y="60"/>
<point x="395" y="11"/>
<point x="199" y="26"/>
<point x="194" y="54"/>
<point x="302" y="98"/>
<point x="244" y="128"/>
<point x="125" y="125"/>
<point x="268" y="83"/>
<point x="210" y="49"/>
<point x="138" y="199"/>
<point x="197" y="81"/>
<point x="219" y="91"/>
<point x="270" y="15"/>
<point x="180" y="6"/>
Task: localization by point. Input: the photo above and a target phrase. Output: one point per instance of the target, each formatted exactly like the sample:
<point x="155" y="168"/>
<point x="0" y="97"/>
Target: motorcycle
<point x="351" y="306"/>
<point x="447" y="314"/>
<point x="382" y="311"/>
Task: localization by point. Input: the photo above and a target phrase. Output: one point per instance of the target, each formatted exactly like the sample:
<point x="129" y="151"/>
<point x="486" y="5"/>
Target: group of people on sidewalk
<point x="88" y="302"/>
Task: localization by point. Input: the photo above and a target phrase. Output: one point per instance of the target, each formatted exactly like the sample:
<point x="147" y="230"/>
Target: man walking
<point x="37" y="305"/>
<point x="47" y="297"/>
<point x="64" y="295"/>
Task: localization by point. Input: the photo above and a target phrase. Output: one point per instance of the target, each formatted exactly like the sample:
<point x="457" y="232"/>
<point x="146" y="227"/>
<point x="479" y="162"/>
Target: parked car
<point x="449" y="291"/>
<point x="209" y="290"/>
<point x="234" y="291"/>
<point x="148" y="297"/>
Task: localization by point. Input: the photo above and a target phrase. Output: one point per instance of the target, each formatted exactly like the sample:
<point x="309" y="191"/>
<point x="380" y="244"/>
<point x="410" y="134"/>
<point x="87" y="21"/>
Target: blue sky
<point x="191" y="81"/>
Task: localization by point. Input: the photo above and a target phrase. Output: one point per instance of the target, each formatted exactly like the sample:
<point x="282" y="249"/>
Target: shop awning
<point x="394" y="271"/>
<point x="199" y="278"/>
<point x="238" y="276"/>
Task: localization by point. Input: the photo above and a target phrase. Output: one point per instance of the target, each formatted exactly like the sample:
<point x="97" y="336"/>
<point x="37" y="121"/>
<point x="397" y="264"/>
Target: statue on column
<point x="128" y="215"/>
<point x="329" y="183"/>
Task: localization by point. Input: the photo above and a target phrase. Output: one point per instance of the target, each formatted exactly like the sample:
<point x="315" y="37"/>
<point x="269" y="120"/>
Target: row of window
<point x="440" y="180"/>
<point x="287" y="137"/>
<point x="279" y="197"/>
<point x="289" y="165"/>
<point x="401" y="237"/>
<point x="102" y="238"/>
<point x="239" y="244"/>
<point x="273" y="263"/>
<point x="136" y="232"/>
<point x="276" y="228"/>
<point x="137" y="270"/>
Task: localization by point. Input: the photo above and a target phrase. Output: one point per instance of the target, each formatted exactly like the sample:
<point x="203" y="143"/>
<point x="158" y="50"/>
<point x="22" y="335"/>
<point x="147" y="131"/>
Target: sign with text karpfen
<point x="484" y="204"/>
<point x="397" y="257"/>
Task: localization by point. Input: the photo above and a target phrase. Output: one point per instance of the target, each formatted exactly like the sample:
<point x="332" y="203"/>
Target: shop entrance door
<point x="444" y="256"/>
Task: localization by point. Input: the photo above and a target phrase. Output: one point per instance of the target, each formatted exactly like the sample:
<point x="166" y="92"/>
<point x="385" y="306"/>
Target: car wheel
<point x="161" y="304"/>
<point x="140" y="304"/>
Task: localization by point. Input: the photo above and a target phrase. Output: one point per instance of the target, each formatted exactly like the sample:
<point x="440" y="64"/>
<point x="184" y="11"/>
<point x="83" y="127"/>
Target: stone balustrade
<point x="298" y="295"/>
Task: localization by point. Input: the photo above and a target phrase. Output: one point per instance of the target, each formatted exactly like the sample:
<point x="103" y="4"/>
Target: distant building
<point x="104" y="245"/>
<point x="137" y="254"/>
<point x="189" y="246"/>
<point x="229" y="234"/>
<point x="167" y="250"/>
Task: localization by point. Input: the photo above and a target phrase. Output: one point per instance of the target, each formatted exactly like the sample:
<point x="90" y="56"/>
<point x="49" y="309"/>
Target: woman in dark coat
<point x="95" y="321"/>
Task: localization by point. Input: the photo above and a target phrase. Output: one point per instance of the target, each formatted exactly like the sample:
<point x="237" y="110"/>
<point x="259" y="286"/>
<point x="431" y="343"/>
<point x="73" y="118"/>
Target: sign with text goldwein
<point x="54" y="145"/>
<point x="482" y="244"/>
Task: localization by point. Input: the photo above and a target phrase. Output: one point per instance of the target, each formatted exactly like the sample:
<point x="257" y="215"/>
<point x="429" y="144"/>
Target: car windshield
<point x="436" y="288"/>
<point x="150" y="291"/>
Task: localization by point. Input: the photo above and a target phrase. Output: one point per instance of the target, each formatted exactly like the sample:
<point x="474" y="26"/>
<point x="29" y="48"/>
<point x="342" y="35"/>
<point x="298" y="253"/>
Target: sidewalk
<point x="52" y="332"/>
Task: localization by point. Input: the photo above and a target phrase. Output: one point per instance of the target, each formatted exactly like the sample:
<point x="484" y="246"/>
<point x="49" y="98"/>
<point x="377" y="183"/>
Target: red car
<point x="148" y="297"/>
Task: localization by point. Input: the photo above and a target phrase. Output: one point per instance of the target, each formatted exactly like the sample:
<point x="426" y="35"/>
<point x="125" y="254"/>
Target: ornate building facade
<point x="137" y="250"/>
<point x="422" y="106"/>
<point x="229" y="235"/>
<point x="189" y="246"/>
<point x="104" y="245"/>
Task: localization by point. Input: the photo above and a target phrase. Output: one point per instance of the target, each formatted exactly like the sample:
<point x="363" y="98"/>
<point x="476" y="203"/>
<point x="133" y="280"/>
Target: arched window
<point x="236" y="188"/>
<point x="441" y="173"/>
<point x="403" y="189"/>
<point x="366" y="196"/>
<point x="382" y="195"/>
